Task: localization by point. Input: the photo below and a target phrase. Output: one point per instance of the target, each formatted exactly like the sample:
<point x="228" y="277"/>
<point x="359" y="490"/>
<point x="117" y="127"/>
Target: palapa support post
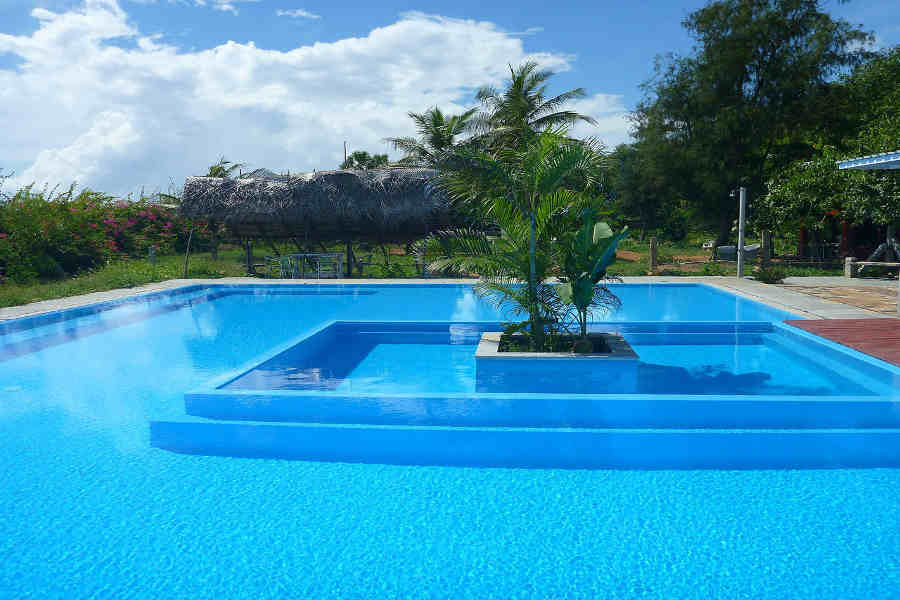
<point x="187" y="252"/>
<point x="349" y="258"/>
<point x="213" y="241"/>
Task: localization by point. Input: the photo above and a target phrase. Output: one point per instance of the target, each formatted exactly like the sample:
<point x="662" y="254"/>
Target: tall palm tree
<point x="437" y="135"/>
<point x="527" y="192"/>
<point x="224" y="168"/>
<point x="523" y="109"/>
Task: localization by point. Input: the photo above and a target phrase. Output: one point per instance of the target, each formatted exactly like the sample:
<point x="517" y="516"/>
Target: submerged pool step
<point x="550" y="410"/>
<point x="537" y="447"/>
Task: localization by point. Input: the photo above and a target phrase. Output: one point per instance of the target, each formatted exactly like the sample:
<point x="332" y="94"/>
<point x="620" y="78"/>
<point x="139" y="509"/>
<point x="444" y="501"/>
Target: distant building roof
<point x="886" y="160"/>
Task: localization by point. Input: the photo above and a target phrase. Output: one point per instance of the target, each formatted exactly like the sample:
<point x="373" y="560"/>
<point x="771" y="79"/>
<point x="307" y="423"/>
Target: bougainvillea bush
<point x="49" y="235"/>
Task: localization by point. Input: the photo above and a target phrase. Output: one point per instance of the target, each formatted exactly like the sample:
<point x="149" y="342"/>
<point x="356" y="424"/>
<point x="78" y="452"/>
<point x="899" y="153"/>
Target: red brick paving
<point x="876" y="337"/>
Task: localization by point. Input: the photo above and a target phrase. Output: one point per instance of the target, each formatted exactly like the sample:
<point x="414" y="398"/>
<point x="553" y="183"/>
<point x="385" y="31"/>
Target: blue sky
<point x="124" y="93"/>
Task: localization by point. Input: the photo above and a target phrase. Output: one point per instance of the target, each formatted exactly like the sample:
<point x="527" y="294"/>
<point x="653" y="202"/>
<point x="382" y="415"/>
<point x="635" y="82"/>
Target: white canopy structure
<point x="885" y="160"/>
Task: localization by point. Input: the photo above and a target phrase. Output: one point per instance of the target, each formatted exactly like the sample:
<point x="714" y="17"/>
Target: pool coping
<point x="804" y="305"/>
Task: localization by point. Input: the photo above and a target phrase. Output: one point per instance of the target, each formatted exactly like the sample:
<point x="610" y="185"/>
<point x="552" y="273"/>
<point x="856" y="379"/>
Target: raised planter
<point x="556" y="372"/>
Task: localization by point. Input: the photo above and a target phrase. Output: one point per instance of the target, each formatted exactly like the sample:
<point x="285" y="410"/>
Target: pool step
<point x="536" y="447"/>
<point x="536" y="410"/>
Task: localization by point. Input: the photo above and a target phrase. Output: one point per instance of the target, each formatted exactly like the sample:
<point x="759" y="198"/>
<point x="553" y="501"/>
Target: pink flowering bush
<point x="45" y="235"/>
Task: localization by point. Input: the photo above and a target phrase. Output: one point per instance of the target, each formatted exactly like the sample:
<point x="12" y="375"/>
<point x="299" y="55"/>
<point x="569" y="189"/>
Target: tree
<point x="648" y="192"/>
<point x="224" y="168"/>
<point x="514" y="116"/>
<point x="808" y="190"/>
<point x="806" y="193"/>
<point x="361" y="160"/>
<point x="437" y="135"/>
<point x="523" y="191"/>
<point x="738" y="108"/>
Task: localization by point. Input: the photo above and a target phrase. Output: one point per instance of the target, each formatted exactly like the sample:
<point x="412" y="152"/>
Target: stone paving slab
<point x="878" y="299"/>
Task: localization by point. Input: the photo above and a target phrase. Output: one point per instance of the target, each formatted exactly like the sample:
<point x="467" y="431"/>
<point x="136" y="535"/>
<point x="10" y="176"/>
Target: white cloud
<point x="612" y="126"/>
<point x="297" y="13"/>
<point x="223" y="5"/>
<point x="142" y="112"/>
<point x="529" y="31"/>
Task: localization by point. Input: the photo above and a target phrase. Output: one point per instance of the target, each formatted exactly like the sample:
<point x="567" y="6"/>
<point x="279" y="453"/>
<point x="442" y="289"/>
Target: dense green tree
<point x="644" y="196"/>
<point x="808" y="190"/>
<point x="740" y="106"/>
<point x="438" y="134"/>
<point x="363" y="160"/>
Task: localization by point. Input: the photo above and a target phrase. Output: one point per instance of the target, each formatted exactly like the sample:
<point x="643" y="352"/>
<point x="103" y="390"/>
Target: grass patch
<point x="121" y="274"/>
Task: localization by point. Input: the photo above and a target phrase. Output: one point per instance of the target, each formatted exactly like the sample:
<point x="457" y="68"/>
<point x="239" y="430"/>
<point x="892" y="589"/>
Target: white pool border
<point x="802" y="305"/>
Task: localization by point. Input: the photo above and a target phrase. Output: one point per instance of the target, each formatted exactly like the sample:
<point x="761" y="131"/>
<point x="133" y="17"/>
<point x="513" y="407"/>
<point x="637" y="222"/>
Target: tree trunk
<point x="724" y="229"/>
<point x="537" y="326"/>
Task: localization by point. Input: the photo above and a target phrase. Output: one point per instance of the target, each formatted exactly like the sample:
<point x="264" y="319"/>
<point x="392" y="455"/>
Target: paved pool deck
<point x="801" y="304"/>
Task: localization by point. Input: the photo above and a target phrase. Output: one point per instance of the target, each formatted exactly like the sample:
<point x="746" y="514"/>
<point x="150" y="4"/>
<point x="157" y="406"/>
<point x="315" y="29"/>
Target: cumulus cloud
<point x="297" y="13"/>
<point x="94" y="99"/>
<point x="223" y="5"/>
<point x="611" y="115"/>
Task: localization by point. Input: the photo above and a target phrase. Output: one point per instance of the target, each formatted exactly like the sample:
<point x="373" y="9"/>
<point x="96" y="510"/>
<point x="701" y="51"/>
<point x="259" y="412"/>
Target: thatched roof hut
<point x="394" y="204"/>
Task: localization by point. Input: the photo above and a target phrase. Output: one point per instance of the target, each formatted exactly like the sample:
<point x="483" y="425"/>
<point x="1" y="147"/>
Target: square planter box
<point x="556" y="372"/>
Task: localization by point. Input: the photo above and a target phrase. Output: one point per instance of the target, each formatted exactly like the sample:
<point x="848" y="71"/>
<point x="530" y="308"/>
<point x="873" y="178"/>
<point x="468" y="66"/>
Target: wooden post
<point x="653" y="254"/>
<point x="248" y="245"/>
<point x="801" y="242"/>
<point x="766" y="249"/>
<point x="850" y="267"/>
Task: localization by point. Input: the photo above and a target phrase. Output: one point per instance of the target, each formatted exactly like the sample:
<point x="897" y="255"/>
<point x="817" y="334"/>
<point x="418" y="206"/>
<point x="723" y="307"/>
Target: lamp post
<point x="742" y="217"/>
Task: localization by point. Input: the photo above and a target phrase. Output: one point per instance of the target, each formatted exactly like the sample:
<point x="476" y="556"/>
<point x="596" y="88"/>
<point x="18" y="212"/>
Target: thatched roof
<point x="394" y="203"/>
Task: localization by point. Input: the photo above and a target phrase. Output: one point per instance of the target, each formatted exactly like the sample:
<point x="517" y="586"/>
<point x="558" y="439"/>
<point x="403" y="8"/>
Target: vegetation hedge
<point x="45" y="235"/>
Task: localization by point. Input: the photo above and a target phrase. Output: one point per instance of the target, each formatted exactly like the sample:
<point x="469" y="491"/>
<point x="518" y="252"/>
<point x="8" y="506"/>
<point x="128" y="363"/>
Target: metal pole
<point x="742" y="215"/>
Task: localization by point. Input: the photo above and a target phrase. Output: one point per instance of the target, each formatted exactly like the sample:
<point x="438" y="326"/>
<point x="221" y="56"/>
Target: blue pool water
<point x="91" y="509"/>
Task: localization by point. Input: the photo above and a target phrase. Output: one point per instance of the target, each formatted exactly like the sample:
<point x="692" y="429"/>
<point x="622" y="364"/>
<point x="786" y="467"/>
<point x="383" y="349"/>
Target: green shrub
<point x="715" y="269"/>
<point x="675" y="226"/>
<point x="769" y="274"/>
<point x="45" y="235"/>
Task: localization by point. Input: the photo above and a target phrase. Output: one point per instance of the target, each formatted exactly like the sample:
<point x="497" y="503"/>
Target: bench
<point x="730" y="252"/>
<point x="853" y="267"/>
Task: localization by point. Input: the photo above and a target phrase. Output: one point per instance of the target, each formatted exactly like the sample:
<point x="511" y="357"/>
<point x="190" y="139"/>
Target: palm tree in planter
<point x="531" y="194"/>
<point x="584" y="257"/>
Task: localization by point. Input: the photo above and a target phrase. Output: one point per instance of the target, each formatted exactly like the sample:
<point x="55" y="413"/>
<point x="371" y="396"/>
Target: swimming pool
<point x="92" y="509"/>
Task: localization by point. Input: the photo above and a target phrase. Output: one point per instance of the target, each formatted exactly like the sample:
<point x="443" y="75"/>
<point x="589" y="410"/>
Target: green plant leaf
<point x="602" y="231"/>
